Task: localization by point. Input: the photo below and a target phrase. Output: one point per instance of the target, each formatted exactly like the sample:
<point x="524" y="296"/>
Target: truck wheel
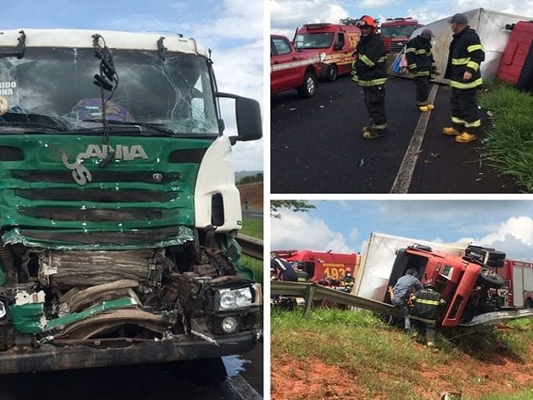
<point x="491" y="280"/>
<point x="333" y="73"/>
<point x="495" y="263"/>
<point x="308" y="88"/>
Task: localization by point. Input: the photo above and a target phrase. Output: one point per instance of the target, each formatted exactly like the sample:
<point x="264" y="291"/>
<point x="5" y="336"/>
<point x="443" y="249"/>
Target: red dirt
<point x="293" y="379"/>
<point x="253" y="192"/>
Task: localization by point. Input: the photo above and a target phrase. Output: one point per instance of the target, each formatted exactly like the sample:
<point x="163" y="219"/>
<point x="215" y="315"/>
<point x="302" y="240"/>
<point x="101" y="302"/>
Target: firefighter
<point x="348" y="280"/>
<point x="463" y="70"/>
<point x="282" y="268"/>
<point x="425" y="310"/>
<point x="369" y="72"/>
<point x="401" y="293"/>
<point x="421" y="66"/>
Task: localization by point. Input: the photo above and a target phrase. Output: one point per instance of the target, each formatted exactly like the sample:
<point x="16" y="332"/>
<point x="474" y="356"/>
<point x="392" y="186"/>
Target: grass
<point x="509" y="147"/>
<point x="253" y="228"/>
<point x="387" y="362"/>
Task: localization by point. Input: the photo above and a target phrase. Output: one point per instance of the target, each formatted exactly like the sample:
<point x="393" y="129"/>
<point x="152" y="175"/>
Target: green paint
<point x="27" y="318"/>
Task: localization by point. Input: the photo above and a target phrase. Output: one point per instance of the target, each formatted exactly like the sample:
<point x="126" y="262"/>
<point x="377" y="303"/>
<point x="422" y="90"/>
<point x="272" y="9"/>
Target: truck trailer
<point x="118" y="206"/>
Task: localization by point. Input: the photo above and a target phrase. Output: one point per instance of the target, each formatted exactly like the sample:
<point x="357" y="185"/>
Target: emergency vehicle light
<point x="316" y="26"/>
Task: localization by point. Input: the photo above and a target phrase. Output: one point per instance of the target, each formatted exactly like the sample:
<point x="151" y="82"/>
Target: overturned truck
<point x="118" y="206"/>
<point x="467" y="277"/>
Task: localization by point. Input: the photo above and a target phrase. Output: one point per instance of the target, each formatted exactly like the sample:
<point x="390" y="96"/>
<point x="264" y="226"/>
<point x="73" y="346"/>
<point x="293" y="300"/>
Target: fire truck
<point x="335" y="42"/>
<point x="396" y="32"/>
<point x="321" y="265"/>
<point x="478" y="283"/>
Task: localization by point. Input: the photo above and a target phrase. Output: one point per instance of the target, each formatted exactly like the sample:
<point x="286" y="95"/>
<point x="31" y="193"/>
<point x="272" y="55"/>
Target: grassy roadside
<point x="366" y="360"/>
<point x="509" y="146"/>
<point x="254" y="228"/>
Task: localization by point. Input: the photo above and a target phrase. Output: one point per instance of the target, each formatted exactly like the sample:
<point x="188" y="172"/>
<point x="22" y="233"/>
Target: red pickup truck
<point x="292" y="69"/>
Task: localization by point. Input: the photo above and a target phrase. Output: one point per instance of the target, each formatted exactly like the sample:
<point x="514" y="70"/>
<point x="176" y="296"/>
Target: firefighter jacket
<point x="466" y="54"/>
<point x="368" y="69"/>
<point x="426" y="304"/>
<point x="420" y="60"/>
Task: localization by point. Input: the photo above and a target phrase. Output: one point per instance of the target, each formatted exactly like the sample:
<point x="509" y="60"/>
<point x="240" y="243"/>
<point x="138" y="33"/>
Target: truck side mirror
<point x="248" y="116"/>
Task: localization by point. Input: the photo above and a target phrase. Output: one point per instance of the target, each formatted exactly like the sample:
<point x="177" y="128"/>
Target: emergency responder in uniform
<point x="347" y="280"/>
<point x="282" y="268"/>
<point x="464" y="59"/>
<point x="401" y="293"/>
<point x="369" y="72"/>
<point x="425" y="310"/>
<point x="421" y="66"/>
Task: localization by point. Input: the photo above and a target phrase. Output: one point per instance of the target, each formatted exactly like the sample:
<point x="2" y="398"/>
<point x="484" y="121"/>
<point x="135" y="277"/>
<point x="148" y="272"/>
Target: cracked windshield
<point x="52" y="89"/>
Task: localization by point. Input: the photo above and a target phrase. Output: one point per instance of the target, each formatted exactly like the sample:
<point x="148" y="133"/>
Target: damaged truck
<point x="478" y="283"/>
<point x="118" y="206"/>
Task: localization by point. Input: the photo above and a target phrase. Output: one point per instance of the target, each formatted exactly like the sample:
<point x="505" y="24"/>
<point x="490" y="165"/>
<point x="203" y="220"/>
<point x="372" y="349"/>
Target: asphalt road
<point x="317" y="147"/>
<point x="233" y="378"/>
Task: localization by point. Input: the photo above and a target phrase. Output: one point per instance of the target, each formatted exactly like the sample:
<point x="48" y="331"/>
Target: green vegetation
<point x="251" y="178"/>
<point x="509" y="147"/>
<point x="390" y="365"/>
<point x="253" y="228"/>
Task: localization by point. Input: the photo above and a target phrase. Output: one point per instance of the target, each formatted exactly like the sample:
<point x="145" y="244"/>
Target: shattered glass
<point x="56" y="84"/>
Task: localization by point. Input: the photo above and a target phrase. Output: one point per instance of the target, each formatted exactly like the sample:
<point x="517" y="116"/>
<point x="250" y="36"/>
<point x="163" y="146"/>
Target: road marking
<point x="241" y="389"/>
<point x="405" y="173"/>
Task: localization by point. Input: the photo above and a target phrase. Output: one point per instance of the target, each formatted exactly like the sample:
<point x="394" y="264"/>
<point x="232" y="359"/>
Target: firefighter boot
<point x="450" y="131"/>
<point x="465" y="137"/>
<point x="373" y="134"/>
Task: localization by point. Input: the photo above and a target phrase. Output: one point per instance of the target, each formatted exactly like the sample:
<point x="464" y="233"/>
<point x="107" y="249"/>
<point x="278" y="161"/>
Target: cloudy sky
<point x="286" y="15"/>
<point x="216" y="24"/>
<point x="345" y="226"/>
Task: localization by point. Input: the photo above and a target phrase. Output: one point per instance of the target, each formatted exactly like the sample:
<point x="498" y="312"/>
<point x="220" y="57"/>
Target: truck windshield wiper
<point x="32" y="120"/>
<point x="154" y="127"/>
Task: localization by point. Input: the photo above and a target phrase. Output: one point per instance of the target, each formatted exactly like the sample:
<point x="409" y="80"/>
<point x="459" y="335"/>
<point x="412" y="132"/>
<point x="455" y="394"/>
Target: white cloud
<point x="300" y="231"/>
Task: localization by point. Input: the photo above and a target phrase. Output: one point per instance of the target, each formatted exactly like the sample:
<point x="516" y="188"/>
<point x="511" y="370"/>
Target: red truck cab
<point x="396" y="32"/>
<point x="292" y="69"/>
<point x="335" y="42"/>
<point x="467" y="283"/>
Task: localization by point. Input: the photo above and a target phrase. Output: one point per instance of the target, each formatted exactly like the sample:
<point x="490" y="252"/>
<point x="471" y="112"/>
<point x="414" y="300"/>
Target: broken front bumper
<point x="49" y="357"/>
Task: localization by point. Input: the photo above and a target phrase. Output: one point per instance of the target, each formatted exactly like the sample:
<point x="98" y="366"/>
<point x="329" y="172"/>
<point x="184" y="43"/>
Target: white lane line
<point x="405" y="173"/>
<point x="241" y="389"/>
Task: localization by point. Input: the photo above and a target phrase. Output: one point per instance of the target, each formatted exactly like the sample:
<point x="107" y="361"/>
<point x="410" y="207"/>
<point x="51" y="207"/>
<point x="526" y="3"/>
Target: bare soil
<point x="496" y="372"/>
<point x="253" y="192"/>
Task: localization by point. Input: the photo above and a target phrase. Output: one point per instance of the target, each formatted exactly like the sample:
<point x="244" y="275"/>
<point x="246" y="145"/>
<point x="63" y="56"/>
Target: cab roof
<point x="82" y="38"/>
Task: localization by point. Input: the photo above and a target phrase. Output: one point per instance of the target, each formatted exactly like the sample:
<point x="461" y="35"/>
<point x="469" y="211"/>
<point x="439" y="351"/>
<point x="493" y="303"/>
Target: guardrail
<point x="251" y="246"/>
<point x="313" y="291"/>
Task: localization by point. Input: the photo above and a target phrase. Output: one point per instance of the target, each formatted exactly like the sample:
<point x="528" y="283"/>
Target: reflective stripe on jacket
<point x="420" y="60"/>
<point x="426" y="305"/>
<point x="371" y="57"/>
<point x="466" y="54"/>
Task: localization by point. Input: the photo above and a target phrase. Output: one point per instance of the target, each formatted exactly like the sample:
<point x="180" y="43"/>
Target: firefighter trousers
<point x="465" y="112"/>
<point x="375" y="105"/>
<point x="422" y="90"/>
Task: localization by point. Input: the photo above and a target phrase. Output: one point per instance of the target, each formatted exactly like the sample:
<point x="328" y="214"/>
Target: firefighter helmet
<point x="347" y="270"/>
<point x="365" y="21"/>
<point x="429" y="284"/>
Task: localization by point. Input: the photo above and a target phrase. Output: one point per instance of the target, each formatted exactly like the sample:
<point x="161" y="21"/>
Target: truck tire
<point x="308" y="87"/>
<point x="496" y="255"/>
<point x="333" y="73"/>
<point x="495" y="263"/>
<point x="491" y="280"/>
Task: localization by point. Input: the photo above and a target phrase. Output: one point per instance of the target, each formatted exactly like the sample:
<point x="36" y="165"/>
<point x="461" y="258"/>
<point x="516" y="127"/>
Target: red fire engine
<point x="396" y="32"/>
<point x="321" y="265"/>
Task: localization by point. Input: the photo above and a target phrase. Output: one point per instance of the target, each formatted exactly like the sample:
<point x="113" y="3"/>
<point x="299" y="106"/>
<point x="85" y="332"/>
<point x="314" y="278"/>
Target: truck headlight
<point x="3" y="310"/>
<point x="233" y="299"/>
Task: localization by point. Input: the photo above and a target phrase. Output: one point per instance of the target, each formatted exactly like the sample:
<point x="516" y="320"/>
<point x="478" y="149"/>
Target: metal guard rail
<point x="313" y="291"/>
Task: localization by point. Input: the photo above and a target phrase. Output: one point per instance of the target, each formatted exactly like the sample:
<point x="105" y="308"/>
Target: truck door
<point x="284" y="73"/>
<point x="518" y="286"/>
